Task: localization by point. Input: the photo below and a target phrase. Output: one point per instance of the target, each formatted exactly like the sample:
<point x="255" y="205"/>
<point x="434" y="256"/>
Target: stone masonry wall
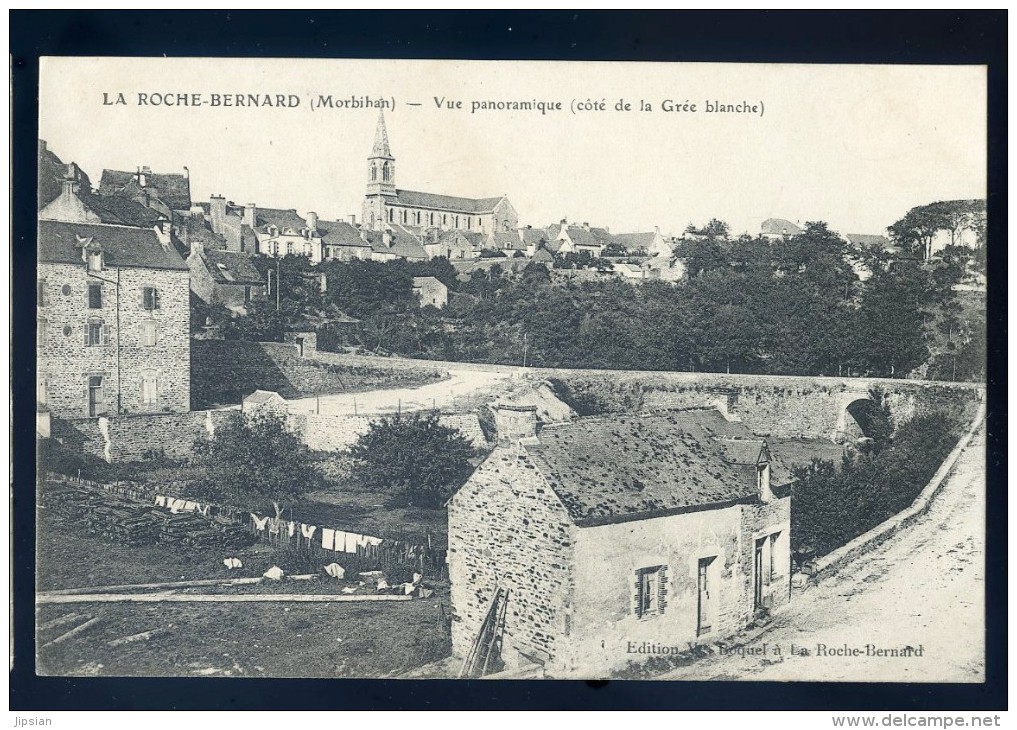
<point x="507" y="529"/>
<point x="128" y="438"/>
<point x="226" y="371"/>
<point x="122" y="359"/>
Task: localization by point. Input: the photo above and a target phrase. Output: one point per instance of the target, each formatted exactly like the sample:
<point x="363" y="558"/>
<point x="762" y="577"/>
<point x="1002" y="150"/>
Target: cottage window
<point x="651" y="591"/>
<point x="391" y="215"/>
<point x="96" y="396"/>
<point x="96" y="333"/>
<point x="289" y="248"/>
<point x="149" y="388"/>
<point x="149" y="333"/>
<point x="95" y="296"/>
<point x="150" y="298"/>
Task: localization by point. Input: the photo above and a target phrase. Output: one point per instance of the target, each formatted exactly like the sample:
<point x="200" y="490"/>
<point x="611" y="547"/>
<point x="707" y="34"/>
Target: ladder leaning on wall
<point x="484" y="656"/>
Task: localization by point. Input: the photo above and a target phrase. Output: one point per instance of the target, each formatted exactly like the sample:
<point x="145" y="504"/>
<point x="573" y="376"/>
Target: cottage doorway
<point x="300" y="346"/>
<point x="95" y="405"/>
<point x="757" y="571"/>
<point x="705" y="601"/>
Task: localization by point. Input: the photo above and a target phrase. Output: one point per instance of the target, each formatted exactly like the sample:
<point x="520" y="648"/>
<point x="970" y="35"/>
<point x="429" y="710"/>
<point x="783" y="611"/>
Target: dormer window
<point x="93" y="259"/>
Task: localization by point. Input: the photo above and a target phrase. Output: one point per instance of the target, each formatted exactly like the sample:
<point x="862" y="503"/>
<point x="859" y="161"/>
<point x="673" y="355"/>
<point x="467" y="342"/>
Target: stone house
<point x="649" y="243"/>
<point x="612" y="533"/>
<point x="113" y="320"/>
<point x="284" y="233"/>
<point x="430" y="291"/>
<point x="224" y="277"/>
<point x="576" y="239"/>
<point x="343" y="241"/>
<point x="455" y="245"/>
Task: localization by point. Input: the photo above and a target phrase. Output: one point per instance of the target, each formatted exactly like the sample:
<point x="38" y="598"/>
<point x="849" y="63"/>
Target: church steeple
<point x="381" y="187"/>
<point x="381" y="138"/>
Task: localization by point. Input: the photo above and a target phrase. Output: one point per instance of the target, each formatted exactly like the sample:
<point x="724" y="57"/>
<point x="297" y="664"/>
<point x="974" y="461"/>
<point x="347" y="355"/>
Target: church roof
<point x="60" y="243"/>
<point x="450" y="203"/>
<point x="607" y="469"/>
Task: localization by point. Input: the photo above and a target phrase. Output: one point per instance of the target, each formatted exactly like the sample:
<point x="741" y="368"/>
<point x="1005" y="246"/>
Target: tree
<point x="253" y="461"/>
<point x="421" y="461"/>
<point x="614" y="250"/>
<point x="715" y="229"/>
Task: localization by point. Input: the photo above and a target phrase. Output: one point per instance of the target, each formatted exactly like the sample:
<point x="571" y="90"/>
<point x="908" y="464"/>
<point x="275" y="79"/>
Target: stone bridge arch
<point x="860" y="415"/>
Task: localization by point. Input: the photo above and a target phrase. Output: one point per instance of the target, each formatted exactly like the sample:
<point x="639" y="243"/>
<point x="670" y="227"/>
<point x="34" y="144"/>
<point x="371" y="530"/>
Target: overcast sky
<point x="855" y="146"/>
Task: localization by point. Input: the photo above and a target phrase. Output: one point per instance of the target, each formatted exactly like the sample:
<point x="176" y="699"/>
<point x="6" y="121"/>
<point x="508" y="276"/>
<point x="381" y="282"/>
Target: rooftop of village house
<point x="606" y="468"/>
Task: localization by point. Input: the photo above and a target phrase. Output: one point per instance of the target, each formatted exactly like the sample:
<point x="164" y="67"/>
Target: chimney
<point x="312" y="223"/>
<point x="69" y="187"/>
<point x="352" y="220"/>
<point x="143" y="173"/>
<point x="197" y="248"/>
<point x="564" y="221"/>
<point x="363" y="234"/>
<point x="514" y="423"/>
<point x="586" y="226"/>
<point x="217" y="213"/>
<point x="251" y="215"/>
<point x="386" y="238"/>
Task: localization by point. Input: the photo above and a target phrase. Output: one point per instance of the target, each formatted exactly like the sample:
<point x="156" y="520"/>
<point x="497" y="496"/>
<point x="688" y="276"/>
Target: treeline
<point x="793" y="306"/>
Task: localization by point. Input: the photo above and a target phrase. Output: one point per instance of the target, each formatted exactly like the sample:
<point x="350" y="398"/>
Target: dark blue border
<point x="803" y="37"/>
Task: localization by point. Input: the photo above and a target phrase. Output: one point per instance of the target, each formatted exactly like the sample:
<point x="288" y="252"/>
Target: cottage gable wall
<point x="508" y="529"/>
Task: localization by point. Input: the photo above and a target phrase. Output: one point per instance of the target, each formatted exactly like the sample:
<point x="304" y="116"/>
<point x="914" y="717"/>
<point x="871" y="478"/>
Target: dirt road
<point x="459" y="384"/>
<point x="923" y="588"/>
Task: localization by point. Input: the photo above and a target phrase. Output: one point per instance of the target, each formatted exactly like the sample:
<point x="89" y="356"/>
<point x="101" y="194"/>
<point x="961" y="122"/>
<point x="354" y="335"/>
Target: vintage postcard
<point x="459" y="369"/>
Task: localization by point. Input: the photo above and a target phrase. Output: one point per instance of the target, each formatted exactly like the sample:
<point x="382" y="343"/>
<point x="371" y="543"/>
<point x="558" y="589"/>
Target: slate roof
<point x="122" y="245"/>
<point x="475" y="239"/>
<point x="420" y="281"/>
<point x="341" y="233"/>
<point x="634" y="241"/>
<point x="589" y="236"/>
<point x="115" y="210"/>
<point x="281" y="219"/>
<point x="172" y="189"/>
<point x="553" y="230"/>
<point x="451" y="203"/>
<point x="230" y="267"/>
<point x="403" y="245"/>
<point x="780" y="227"/>
<point x="533" y="235"/>
<point x="867" y="240"/>
<point x="510" y="241"/>
<point x="607" y="469"/>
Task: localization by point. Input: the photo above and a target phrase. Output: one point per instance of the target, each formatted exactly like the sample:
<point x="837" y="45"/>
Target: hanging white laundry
<point x="382" y="584"/>
<point x="291" y="528"/>
<point x="204" y="510"/>
<point x="350" y="589"/>
<point x="190" y="506"/>
<point x="327" y="538"/>
<point x="336" y="571"/>
<point x="274" y="573"/>
<point x="362" y="541"/>
<point x="408" y="588"/>
<point x="308" y="530"/>
<point x="259" y="522"/>
<point x="232" y="563"/>
<point x="352" y="540"/>
<point x="340" y="541"/>
<point x="177" y="506"/>
<point x="274" y="525"/>
<point x="160" y="500"/>
<point x="416" y="578"/>
<point x="373" y="540"/>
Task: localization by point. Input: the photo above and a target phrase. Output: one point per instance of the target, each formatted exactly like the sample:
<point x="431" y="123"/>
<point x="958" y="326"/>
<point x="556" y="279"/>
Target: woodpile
<point x="125" y="521"/>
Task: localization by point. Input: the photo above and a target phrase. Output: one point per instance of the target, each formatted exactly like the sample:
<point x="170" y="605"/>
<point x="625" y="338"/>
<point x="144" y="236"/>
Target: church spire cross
<point x="381" y="148"/>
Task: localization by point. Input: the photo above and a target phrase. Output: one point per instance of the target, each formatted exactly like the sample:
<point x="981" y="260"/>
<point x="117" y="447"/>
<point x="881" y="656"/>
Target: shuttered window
<point x="650" y="591"/>
<point x="150" y="298"/>
<point x="149" y="334"/>
<point x="149" y="388"/>
<point x="96" y="333"/>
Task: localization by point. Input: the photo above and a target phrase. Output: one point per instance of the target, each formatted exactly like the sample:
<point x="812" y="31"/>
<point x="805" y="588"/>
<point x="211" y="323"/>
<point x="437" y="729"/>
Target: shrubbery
<point x="830" y="508"/>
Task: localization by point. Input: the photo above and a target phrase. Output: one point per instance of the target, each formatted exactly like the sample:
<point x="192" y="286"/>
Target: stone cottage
<point x="614" y="534"/>
<point x="430" y="291"/>
<point x="224" y="277"/>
